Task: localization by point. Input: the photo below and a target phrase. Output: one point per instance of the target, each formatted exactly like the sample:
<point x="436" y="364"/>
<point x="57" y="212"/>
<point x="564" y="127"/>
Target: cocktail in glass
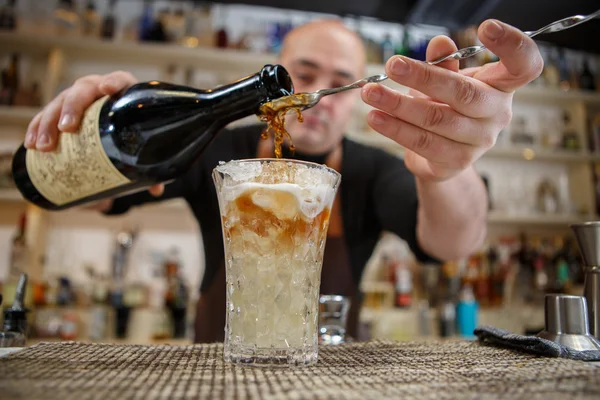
<point x="275" y="215"/>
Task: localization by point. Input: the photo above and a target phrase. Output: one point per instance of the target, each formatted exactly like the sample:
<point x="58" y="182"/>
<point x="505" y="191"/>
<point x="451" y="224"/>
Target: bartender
<point x="433" y="199"/>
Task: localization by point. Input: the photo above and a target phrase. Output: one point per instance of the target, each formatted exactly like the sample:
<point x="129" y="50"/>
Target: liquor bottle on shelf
<point x="109" y="23"/>
<point x="8" y="16"/>
<point x="15" y="331"/>
<point x="134" y="139"/>
<point x="176" y="297"/>
<point x="66" y="19"/>
<point x="551" y="73"/>
<point x="176" y="26"/>
<point x="586" y="79"/>
<point x="90" y="22"/>
<point x="467" y="311"/>
<point x="403" y="284"/>
<point x="146" y="21"/>
<point x="18" y="252"/>
<point x="482" y="286"/>
<point x="387" y="48"/>
<point x="563" y="70"/>
<point x="403" y="47"/>
<point x="10" y="81"/>
<point x="221" y="35"/>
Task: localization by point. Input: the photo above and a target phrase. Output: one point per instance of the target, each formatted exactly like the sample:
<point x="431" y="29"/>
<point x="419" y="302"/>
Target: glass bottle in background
<point x="176" y="297"/>
<point x="500" y="273"/>
<point x="8" y="16"/>
<point x="66" y="19"/>
<point x="540" y="277"/>
<point x="90" y="22"/>
<point x="221" y="36"/>
<point x="174" y="25"/>
<point x="99" y="310"/>
<point x="14" y="331"/>
<point x="586" y="79"/>
<point x="467" y="311"/>
<point x="109" y="24"/>
<point x="18" y="250"/>
<point x="563" y="70"/>
<point x="447" y="318"/>
<point x="483" y="285"/>
<point x="146" y="21"/>
<point x="387" y="48"/>
<point x="403" y="283"/>
<point x="157" y="32"/>
<point x="574" y="74"/>
<point x="403" y="48"/>
<point x="203" y="24"/>
<point x="10" y="81"/>
<point x="550" y="73"/>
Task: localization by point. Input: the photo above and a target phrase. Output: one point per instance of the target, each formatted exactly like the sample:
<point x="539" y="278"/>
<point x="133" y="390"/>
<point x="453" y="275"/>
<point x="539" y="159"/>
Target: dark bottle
<point x="90" y="21"/>
<point x="586" y="79"/>
<point x="8" y="18"/>
<point x="144" y="135"/>
<point x="107" y="30"/>
<point x="10" y="81"/>
<point x="14" y="331"/>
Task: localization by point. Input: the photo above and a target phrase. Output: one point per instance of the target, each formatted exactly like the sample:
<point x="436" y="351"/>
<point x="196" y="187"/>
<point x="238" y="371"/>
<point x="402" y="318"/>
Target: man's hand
<point x="64" y="113"/>
<point x="452" y="118"/>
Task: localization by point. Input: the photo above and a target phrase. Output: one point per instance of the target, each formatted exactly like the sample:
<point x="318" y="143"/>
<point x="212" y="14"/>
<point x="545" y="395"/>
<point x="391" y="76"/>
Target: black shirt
<point x="378" y="193"/>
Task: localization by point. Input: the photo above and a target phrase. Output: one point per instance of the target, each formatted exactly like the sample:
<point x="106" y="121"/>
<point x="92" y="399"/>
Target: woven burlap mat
<point x="375" y="370"/>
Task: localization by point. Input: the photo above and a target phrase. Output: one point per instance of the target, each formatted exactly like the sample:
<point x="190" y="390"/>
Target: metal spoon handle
<point x="355" y="85"/>
<point x="555" y="26"/>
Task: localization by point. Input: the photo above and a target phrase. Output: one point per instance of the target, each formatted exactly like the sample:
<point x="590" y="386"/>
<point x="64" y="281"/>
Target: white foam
<point x="312" y="190"/>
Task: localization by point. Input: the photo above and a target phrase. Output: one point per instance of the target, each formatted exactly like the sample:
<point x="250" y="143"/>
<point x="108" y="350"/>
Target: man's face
<point x="320" y="57"/>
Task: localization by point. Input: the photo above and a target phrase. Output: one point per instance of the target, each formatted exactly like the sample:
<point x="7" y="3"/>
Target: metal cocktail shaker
<point x="588" y="238"/>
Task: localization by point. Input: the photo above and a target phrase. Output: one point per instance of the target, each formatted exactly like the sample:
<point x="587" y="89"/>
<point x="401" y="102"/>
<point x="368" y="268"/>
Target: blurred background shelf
<point x="12" y="195"/>
<point x="536" y="93"/>
<point x="375" y="139"/>
<point x="16" y="116"/>
<point x="160" y="54"/>
<point x="529" y="154"/>
<point x="499" y="217"/>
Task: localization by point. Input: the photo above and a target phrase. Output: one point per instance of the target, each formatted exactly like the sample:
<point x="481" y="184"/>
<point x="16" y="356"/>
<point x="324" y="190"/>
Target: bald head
<point x="314" y="32"/>
<point x="330" y="36"/>
<point x="323" y="54"/>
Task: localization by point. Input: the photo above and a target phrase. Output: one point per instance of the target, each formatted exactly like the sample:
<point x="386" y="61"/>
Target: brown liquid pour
<point x="259" y="220"/>
<point x="273" y="113"/>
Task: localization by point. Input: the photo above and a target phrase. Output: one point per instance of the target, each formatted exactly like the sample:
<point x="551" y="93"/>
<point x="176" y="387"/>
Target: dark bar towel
<point x="532" y="344"/>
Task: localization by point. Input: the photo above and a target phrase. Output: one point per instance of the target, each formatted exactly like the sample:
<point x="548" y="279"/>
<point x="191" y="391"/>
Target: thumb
<point x="520" y="59"/>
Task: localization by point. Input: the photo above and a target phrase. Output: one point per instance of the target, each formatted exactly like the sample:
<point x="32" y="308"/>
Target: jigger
<point x="566" y="322"/>
<point x="588" y="238"/>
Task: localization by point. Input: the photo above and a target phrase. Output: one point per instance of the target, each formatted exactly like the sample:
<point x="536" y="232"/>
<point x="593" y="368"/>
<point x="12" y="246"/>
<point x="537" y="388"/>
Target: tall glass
<point x="275" y="215"/>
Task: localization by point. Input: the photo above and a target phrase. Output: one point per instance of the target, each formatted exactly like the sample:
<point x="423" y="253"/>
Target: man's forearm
<point x="452" y="215"/>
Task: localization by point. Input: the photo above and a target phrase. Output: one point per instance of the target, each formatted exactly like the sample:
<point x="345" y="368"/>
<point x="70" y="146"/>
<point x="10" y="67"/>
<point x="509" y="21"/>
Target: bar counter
<point x="452" y="369"/>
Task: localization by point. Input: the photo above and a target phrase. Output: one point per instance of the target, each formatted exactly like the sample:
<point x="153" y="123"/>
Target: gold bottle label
<point x="78" y="167"/>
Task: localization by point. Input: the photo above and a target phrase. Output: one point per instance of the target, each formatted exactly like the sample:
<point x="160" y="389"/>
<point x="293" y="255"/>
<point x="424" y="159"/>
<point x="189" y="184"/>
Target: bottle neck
<point x="244" y="97"/>
<point x="221" y="105"/>
<point x="236" y="100"/>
